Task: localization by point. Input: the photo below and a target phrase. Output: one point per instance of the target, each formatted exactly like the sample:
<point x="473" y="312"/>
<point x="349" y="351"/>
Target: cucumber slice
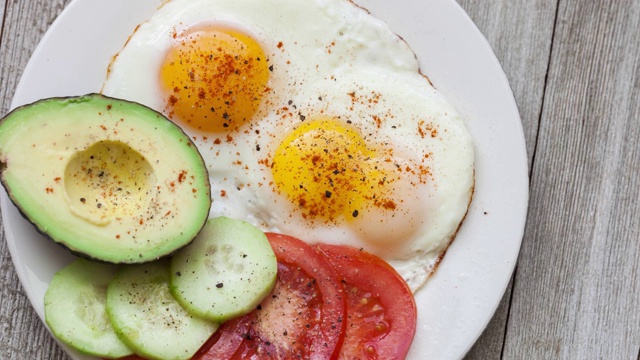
<point x="148" y="319"/>
<point x="74" y="309"/>
<point x="226" y="272"/>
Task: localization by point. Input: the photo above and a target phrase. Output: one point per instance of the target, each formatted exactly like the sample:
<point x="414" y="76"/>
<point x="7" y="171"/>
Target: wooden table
<point x="574" y="67"/>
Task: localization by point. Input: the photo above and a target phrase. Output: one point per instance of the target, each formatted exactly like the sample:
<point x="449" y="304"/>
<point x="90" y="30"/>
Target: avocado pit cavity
<point x="109" y="180"/>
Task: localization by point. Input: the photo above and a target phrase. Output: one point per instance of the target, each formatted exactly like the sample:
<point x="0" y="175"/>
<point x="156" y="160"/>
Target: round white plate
<point x="460" y="299"/>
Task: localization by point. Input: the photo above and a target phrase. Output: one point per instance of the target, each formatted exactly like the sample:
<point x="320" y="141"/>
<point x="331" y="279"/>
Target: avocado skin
<point x="41" y="228"/>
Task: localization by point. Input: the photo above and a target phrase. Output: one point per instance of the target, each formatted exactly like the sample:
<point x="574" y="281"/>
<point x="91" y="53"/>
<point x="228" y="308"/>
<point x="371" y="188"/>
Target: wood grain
<point x="2" y="14"/>
<point x="519" y="33"/>
<point x="577" y="288"/>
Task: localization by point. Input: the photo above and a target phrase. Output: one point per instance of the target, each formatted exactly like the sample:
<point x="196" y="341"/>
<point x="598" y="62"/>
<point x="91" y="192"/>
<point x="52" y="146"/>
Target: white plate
<point x="457" y="303"/>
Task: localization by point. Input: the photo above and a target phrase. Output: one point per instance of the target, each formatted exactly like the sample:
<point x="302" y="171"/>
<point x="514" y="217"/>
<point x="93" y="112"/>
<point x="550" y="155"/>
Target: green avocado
<point x="109" y="179"/>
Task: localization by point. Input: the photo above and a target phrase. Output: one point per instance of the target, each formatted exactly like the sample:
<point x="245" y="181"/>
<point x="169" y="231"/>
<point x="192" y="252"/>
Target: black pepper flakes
<point x="355" y="213"/>
<point x="219" y="285"/>
<point x="327" y="194"/>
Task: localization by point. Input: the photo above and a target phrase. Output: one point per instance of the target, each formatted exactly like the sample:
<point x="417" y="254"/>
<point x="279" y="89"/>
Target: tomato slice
<point x="381" y="310"/>
<point x="301" y="319"/>
<point x="308" y="315"/>
<point x="226" y="340"/>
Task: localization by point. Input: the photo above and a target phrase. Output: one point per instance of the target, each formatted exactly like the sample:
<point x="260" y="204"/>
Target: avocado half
<point x="109" y="179"/>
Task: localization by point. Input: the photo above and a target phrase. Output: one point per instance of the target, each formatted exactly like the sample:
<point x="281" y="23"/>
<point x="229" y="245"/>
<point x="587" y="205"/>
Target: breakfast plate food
<point x="474" y="137"/>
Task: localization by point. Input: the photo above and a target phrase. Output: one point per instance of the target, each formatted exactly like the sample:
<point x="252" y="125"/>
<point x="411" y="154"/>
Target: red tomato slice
<point x="226" y="340"/>
<point x="381" y="310"/>
<point x="302" y="318"/>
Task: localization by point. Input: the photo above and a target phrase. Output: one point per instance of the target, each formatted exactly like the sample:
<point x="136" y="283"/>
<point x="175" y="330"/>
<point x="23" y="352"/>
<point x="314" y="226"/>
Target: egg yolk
<point x="329" y="172"/>
<point x="214" y="79"/>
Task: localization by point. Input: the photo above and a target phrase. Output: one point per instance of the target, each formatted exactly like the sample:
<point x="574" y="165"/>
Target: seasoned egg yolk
<point x="214" y="79"/>
<point x="329" y="172"/>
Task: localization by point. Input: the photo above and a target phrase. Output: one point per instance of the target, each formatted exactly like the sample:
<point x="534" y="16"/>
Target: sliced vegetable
<point x="226" y="272"/>
<point x="226" y="341"/>
<point x="302" y="318"/>
<point x="74" y="308"/>
<point x="148" y="319"/>
<point x="97" y="174"/>
<point x="381" y="310"/>
<point x="329" y="302"/>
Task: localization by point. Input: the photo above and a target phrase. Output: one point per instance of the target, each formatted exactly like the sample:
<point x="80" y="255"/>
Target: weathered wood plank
<point x="520" y="33"/>
<point x="22" y="335"/>
<point x="26" y="23"/>
<point x="577" y="289"/>
<point x="3" y="5"/>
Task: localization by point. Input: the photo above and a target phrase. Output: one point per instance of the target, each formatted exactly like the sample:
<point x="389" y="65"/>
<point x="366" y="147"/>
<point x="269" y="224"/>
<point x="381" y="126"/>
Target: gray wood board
<point x="576" y="290"/>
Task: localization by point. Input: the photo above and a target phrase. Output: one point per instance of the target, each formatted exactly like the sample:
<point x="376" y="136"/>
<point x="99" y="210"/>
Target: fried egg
<point x="314" y="120"/>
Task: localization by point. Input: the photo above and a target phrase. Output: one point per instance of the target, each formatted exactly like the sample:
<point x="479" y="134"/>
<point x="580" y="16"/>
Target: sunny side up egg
<point x="313" y="119"/>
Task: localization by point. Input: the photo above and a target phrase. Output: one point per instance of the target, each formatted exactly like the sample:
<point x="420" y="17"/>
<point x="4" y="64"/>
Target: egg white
<point x="321" y="51"/>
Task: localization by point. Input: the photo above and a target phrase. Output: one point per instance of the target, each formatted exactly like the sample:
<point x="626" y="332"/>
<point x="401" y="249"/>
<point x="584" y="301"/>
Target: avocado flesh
<point x="109" y="179"/>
